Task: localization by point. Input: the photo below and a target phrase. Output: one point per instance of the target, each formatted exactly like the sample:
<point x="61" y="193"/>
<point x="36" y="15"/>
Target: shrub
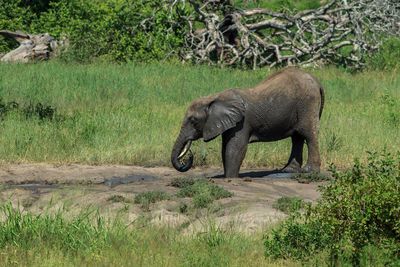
<point x="109" y="29"/>
<point x="386" y="58"/>
<point x="359" y="208"/>
<point x="296" y="239"/>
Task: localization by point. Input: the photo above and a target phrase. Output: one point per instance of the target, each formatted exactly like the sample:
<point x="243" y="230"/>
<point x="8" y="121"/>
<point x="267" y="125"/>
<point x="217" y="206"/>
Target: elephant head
<point x="206" y="118"/>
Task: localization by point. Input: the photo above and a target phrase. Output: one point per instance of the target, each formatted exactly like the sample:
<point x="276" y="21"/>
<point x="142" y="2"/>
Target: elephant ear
<point x="223" y="113"/>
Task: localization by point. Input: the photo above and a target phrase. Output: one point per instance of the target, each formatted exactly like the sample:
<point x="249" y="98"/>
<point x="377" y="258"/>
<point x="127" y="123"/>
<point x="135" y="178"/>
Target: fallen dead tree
<point x="32" y="47"/>
<point x="340" y="32"/>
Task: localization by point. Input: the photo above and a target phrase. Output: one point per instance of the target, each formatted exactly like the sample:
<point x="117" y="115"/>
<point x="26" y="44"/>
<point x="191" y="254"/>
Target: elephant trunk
<point x="180" y="149"/>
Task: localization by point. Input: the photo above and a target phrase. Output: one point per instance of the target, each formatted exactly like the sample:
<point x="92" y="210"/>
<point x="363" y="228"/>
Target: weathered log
<point x="32" y="47"/>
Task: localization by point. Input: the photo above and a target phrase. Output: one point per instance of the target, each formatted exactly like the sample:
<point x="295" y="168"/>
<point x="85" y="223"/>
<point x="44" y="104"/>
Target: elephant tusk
<point x="185" y="150"/>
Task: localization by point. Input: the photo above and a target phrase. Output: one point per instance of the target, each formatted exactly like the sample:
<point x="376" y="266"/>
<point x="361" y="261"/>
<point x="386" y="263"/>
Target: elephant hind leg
<point x="314" y="161"/>
<point x="296" y="156"/>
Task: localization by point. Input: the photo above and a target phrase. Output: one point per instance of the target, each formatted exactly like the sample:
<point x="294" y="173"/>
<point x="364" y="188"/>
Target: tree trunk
<point x="32" y="47"/>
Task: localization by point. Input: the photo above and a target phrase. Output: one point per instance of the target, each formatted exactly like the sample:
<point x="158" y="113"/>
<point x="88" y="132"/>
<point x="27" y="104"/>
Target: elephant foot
<point x="291" y="168"/>
<point x="311" y="168"/>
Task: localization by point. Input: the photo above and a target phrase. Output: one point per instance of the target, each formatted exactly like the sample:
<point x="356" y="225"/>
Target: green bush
<point x="296" y="239"/>
<point x="360" y="207"/>
<point x="387" y="57"/>
<point x="109" y="29"/>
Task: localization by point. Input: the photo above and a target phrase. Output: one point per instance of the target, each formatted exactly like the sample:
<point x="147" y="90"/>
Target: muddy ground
<point x="42" y="188"/>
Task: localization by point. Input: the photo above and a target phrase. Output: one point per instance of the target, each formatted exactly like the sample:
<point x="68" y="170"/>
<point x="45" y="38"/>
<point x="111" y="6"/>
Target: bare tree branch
<point x="340" y="32"/>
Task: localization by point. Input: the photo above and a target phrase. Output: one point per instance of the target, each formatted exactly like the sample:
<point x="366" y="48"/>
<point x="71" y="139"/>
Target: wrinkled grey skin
<point x="288" y="103"/>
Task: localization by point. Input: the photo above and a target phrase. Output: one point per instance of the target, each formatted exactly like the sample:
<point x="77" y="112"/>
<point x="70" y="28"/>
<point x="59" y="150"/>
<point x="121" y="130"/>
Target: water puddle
<point x="281" y="175"/>
<point x="133" y="178"/>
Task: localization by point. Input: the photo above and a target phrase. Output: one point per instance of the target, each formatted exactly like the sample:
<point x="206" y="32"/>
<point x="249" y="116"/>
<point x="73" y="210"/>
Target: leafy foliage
<point x="109" y="30"/>
<point x="359" y="208"/>
<point x="386" y="58"/>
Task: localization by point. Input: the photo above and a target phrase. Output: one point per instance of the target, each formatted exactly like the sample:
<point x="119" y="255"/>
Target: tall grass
<point x="131" y="114"/>
<point x="89" y="239"/>
<point x="54" y="239"/>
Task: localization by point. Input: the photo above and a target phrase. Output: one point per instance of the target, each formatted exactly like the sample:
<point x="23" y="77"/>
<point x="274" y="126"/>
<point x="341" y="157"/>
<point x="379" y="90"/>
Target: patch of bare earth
<point x="111" y="190"/>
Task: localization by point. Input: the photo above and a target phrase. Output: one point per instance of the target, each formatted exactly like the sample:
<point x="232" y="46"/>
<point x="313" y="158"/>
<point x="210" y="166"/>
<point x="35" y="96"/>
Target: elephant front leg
<point x="234" y="147"/>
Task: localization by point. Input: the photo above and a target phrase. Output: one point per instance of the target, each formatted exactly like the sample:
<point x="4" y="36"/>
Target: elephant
<point x="288" y="103"/>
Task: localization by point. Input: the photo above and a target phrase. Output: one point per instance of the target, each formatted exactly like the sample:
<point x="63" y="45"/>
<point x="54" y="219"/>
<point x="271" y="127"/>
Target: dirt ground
<point x="41" y="188"/>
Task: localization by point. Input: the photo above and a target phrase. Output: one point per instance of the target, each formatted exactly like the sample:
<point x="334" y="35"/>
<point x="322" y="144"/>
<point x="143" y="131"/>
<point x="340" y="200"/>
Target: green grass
<point x="203" y="193"/>
<point x="53" y="239"/>
<point x="145" y="198"/>
<point x="131" y="113"/>
<point x="89" y="239"/>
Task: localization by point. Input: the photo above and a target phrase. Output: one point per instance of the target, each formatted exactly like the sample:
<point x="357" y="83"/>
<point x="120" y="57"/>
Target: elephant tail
<point x="321" y="91"/>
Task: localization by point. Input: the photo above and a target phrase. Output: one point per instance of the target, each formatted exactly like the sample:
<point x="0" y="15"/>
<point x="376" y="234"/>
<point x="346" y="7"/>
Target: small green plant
<point x="182" y="182"/>
<point x="203" y="193"/>
<point x="333" y="142"/>
<point x="146" y="198"/>
<point x="289" y="204"/>
<point x="118" y="198"/>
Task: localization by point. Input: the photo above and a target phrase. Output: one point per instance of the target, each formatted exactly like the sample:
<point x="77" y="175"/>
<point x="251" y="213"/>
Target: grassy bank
<point x="52" y="239"/>
<point x="131" y="114"/>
